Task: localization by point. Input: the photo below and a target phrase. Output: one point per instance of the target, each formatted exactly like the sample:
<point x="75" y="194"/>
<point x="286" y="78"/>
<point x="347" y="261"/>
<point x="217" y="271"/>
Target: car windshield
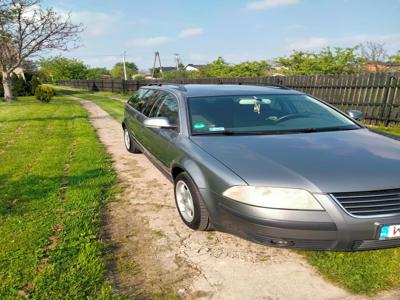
<point x="263" y="114"/>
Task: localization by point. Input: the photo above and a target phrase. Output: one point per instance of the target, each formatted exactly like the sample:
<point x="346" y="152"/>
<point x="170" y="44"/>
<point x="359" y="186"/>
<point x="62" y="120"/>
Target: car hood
<point x="329" y="162"/>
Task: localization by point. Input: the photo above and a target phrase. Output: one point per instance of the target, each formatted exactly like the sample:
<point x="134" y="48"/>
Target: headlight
<point x="271" y="197"/>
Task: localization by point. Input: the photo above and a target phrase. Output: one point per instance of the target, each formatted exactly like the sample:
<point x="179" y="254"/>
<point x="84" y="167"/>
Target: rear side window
<point x="151" y="98"/>
<point x="168" y="108"/>
<point x="137" y="101"/>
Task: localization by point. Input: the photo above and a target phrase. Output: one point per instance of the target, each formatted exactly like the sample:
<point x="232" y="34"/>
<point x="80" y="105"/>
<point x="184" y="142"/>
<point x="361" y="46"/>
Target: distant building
<point x="168" y="69"/>
<point x="381" y="67"/>
<point x="194" y="68"/>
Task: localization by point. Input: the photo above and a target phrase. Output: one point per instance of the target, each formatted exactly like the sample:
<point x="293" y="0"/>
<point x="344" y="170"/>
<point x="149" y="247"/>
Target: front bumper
<point x="332" y="229"/>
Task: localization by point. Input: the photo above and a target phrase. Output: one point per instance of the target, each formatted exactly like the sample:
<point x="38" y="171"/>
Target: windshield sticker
<point x="199" y="125"/>
<point x="216" y="128"/>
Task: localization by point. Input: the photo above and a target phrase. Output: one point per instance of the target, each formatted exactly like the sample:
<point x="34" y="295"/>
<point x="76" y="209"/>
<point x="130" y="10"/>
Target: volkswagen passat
<point x="270" y="164"/>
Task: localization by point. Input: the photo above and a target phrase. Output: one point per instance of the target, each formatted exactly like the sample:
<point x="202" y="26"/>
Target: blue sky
<point x="238" y="30"/>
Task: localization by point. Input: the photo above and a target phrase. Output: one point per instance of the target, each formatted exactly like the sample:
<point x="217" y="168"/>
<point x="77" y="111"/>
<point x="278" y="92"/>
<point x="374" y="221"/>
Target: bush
<point x="44" y="93"/>
<point x="34" y="84"/>
<point x="20" y="87"/>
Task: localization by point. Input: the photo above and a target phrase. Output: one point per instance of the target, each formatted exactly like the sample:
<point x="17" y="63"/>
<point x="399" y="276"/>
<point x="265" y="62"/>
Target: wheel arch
<point x="192" y="169"/>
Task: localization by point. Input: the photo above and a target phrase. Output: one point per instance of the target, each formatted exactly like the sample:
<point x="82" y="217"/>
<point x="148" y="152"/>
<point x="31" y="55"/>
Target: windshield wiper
<point x="274" y="132"/>
<point x="233" y="132"/>
<point x="309" y="130"/>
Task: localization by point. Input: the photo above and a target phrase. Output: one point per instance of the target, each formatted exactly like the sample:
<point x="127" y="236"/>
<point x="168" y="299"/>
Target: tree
<point x="395" y="58"/>
<point x="374" y="52"/>
<point x="26" y="29"/>
<point x="118" y="70"/>
<point x="327" y="61"/>
<point x="97" y="73"/>
<point x="60" y="68"/>
<point x="220" y="68"/>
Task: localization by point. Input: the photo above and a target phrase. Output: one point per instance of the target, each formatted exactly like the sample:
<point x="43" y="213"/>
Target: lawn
<point x="55" y="176"/>
<point x="361" y="272"/>
<point x="114" y="107"/>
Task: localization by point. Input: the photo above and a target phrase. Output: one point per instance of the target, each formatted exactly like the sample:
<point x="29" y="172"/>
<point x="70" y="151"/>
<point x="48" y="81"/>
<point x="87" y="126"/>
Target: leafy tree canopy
<point x="118" y="70"/>
<point x="395" y="58"/>
<point x="220" y="68"/>
<point x="328" y="61"/>
<point x="60" y="68"/>
<point x="97" y="73"/>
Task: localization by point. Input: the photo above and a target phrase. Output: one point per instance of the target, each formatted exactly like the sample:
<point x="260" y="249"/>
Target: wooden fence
<point x="377" y="95"/>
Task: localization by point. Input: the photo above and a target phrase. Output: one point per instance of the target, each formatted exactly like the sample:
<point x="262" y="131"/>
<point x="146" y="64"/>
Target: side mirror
<point x="356" y="114"/>
<point x="159" y="122"/>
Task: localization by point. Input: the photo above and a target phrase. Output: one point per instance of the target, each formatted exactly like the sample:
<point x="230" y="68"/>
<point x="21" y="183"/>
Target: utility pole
<point x="177" y="60"/>
<point x="123" y="59"/>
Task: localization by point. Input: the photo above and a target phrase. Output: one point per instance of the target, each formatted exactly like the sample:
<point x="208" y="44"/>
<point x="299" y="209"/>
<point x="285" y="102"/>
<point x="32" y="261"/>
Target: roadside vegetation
<point x="366" y="272"/>
<point x="114" y="107"/>
<point x="391" y="129"/>
<point x="55" y="176"/>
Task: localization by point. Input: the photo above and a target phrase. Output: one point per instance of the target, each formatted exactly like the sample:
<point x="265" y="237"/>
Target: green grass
<point x="116" y="95"/>
<point x="391" y="129"/>
<point x="54" y="178"/>
<point x="361" y="272"/>
<point x="114" y="107"/>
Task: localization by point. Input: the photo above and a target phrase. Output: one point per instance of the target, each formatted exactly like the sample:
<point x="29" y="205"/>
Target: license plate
<point x="390" y="232"/>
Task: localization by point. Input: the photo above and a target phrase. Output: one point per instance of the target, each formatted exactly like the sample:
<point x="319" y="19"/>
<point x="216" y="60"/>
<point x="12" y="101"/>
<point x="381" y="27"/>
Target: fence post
<point x="390" y="104"/>
<point x="385" y="99"/>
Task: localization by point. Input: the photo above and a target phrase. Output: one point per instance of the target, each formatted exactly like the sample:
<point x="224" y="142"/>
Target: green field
<point x="55" y="176"/>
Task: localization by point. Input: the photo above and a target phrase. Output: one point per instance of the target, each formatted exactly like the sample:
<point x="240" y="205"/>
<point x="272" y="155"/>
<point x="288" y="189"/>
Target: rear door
<point x="161" y="140"/>
<point x="136" y="109"/>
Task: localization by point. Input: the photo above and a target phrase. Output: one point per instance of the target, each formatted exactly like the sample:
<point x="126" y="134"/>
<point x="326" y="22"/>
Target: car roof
<point x="207" y="90"/>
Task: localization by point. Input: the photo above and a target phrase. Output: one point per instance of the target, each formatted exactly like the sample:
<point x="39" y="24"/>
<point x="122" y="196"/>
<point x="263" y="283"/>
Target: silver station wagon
<point x="270" y="164"/>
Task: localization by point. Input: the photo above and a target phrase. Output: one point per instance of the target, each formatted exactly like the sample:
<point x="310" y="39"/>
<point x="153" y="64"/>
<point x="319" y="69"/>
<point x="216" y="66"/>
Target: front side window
<point x="168" y="109"/>
<point x="267" y="114"/>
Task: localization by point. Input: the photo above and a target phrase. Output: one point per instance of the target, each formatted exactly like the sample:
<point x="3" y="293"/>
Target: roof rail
<point x="277" y="85"/>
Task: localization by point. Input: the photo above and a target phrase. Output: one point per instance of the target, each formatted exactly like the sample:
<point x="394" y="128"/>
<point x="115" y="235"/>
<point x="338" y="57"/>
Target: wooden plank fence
<point x="377" y="95"/>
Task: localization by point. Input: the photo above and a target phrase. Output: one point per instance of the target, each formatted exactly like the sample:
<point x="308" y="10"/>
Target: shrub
<point x="19" y="86"/>
<point x="44" y="93"/>
<point x="34" y="84"/>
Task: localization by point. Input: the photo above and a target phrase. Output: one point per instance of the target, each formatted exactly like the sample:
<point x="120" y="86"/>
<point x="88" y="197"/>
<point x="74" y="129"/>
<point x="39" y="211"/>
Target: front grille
<point x="375" y="203"/>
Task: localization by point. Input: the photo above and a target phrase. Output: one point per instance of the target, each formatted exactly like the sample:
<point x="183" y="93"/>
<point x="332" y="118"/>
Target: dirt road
<point x="154" y="253"/>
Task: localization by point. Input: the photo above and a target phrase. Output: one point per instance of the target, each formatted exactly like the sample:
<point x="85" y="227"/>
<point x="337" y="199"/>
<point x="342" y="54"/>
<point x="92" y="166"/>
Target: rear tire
<point x="130" y="145"/>
<point x="190" y="204"/>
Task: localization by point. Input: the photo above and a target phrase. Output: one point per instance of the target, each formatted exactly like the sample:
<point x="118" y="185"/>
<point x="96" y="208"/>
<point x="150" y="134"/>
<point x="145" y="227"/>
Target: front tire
<point x="190" y="204"/>
<point x="130" y="145"/>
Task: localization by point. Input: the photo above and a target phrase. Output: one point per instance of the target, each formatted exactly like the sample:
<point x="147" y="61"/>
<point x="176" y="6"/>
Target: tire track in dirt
<point x="155" y="253"/>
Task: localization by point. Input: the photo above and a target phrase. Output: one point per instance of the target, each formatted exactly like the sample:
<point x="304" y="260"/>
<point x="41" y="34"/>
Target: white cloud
<point x="308" y="44"/>
<point x="149" y="41"/>
<point x="96" y="24"/>
<point x="160" y="40"/>
<point x="189" y="32"/>
<point x="264" y="4"/>
<point x="391" y="41"/>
